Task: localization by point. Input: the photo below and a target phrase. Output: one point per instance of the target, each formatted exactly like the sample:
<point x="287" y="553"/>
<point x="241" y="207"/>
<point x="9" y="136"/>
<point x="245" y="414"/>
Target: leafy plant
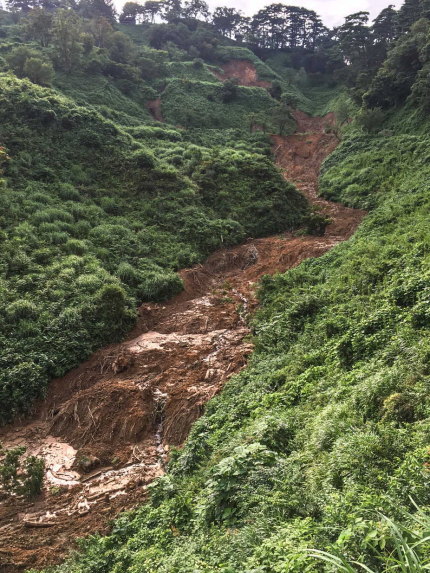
<point x="18" y="475"/>
<point x="401" y="548"/>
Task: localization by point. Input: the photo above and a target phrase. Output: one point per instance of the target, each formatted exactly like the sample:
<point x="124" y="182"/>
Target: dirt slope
<point x="244" y="71"/>
<point x="154" y="108"/>
<point x="107" y="426"/>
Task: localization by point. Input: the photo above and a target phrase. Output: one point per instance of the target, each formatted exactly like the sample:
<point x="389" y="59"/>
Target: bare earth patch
<point x="244" y="71"/>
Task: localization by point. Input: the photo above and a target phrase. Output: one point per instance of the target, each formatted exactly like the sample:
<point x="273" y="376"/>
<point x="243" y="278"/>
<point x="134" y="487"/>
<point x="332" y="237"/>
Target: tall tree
<point x="196" y="9"/>
<point x="172" y="10"/>
<point x="354" y="39"/>
<point x="425" y="9"/>
<point x="96" y="9"/>
<point x="243" y="30"/>
<point x="52" y="5"/>
<point x="152" y="8"/>
<point x="121" y="48"/>
<point x="384" y="26"/>
<point x="316" y="31"/>
<point x="38" y="26"/>
<point x="409" y="13"/>
<point x="396" y="78"/>
<point x="129" y="13"/>
<point x="66" y="32"/>
<point x="20" y="5"/>
<point x="278" y="26"/>
<point x="226" y="20"/>
<point x="384" y="32"/>
<point x="102" y="31"/>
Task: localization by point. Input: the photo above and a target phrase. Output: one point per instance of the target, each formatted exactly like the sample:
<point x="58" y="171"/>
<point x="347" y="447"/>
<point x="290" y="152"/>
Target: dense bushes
<point x="28" y="63"/>
<point x="19" y="475"/>
<point x="202" y="104"/>
<point x="253" y="197"/>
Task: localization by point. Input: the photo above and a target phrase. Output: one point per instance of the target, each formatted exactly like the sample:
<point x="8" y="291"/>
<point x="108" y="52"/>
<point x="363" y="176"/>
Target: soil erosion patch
<point x="244" y="71"/>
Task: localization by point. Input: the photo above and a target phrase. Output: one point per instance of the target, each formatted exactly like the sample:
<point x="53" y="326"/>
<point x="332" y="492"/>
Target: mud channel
<point x="105" y="429"/>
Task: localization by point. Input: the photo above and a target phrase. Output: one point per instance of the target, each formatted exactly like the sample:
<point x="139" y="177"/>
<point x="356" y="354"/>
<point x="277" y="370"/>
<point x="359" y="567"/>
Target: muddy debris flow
<point x="105" y="429"/>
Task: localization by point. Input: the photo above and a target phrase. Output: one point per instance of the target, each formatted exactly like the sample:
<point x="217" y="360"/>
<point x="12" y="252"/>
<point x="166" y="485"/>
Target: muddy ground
<point x="105" y="429"/>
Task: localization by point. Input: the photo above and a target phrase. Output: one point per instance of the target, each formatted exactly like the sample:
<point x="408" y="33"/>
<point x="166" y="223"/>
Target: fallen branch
<point x="39" y="524"/>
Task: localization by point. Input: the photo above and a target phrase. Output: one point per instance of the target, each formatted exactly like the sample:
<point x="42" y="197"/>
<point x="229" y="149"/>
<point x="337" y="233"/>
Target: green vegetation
<point x="329" y="424"/>
<point x="18" y="475"/>
<point x="203" y="104"/>
<point x="93" y="224"/>
<point x="409" y="546"/>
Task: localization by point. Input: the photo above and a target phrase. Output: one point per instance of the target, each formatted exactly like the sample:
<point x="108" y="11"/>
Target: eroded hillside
<point x="106" y="428"/>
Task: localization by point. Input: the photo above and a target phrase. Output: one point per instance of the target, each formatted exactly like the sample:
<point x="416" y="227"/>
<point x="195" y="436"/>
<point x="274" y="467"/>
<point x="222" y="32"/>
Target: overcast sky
<point x="332" y="12"/>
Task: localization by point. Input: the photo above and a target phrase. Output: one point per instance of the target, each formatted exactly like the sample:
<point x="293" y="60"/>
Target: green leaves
<point x="18" y="475"/>
<point x="220" y="490"/>
<point x="100" y="210"/>
<point x="399" y="548"/>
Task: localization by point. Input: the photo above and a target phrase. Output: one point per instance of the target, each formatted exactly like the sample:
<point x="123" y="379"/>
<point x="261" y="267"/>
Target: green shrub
<point x="68" y="192"/>
<point x="75" y="247"/>
<point x="18" y="57"/>
<point x="370" y="120"/>
<point x="128" y="274"/>
<point x="21" y="309"/>
<point x="34" y="471"/>
<point x="23" y="476"/>
<point x="38" y="71"/>
<point x="110" y="303"/>
<point x="158" y="285"/>
<point x="143" y="159"/>
<point x="52" y="215"/>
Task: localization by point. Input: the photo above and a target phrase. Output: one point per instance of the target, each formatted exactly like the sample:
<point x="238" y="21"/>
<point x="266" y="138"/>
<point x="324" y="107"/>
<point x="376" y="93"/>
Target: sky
<point x="332" y="12"/>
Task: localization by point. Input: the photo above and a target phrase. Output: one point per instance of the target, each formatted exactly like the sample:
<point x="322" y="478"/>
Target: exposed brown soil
<point x="244" y="71"/>
<point x="106" y="427"/>
<point x="154" y="108"/>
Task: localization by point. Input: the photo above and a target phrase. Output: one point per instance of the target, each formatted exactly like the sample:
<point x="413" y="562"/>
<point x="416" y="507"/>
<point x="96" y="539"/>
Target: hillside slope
<point x="145" y="158"/>
<point x="133" y="402"/>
